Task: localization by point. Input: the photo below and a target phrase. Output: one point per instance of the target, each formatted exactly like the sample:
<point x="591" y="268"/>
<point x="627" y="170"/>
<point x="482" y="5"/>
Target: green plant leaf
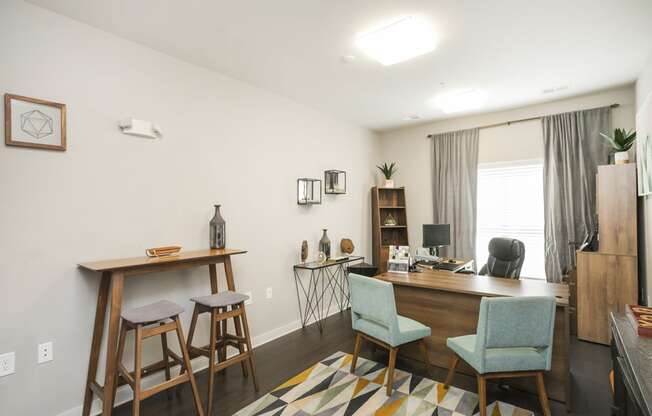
<point x="621" y="140"/>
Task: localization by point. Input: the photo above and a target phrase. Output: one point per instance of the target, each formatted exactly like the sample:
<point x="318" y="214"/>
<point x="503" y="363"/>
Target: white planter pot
<point x="621" y="158"/>
<point x="389" y="183"/>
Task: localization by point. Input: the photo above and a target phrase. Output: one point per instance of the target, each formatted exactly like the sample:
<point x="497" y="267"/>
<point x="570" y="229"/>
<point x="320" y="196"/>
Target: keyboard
<point x="441" y="265"/>
<point x="447" y="266"/>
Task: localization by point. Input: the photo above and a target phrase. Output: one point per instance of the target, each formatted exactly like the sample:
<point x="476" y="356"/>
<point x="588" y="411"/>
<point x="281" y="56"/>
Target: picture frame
<point x="644" y="147"/>
<point x="35" y="123"/>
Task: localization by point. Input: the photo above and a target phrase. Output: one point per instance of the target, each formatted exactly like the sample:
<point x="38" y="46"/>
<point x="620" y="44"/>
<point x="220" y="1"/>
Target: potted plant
<point x="388" y="171"/>
<point x="621" y="141"/>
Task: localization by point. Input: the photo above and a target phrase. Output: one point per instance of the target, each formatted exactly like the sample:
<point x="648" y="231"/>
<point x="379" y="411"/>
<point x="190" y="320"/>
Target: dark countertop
<point x="637" y="353"/>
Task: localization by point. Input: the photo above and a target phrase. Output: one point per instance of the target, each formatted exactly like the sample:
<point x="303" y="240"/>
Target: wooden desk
<point x="113" y="274"/>
<point x="450" y="303"/>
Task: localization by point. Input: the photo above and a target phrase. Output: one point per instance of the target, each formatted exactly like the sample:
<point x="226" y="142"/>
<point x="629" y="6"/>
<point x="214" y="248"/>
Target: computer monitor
<point x="435" y="236"/>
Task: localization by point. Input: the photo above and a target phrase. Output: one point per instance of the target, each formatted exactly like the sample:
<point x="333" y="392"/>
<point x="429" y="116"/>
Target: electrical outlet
<point x="7" y="364"/>
<point x="250" y="300"/>
<point x="45" y="352"/>
<point x="269" y="293"/>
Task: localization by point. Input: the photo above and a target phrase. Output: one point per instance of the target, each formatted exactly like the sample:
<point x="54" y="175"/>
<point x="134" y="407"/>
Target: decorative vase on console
<point x="218" y="229"/>
<point x="325" y="245"/>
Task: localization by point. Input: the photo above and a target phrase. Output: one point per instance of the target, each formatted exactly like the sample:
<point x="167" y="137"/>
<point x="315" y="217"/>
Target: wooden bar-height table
<point x="113" y="274"/>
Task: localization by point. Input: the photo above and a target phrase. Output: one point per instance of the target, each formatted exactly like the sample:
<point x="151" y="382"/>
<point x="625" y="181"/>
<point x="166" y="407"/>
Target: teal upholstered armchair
<point x="514" y="339"/>
<point x="374" y="316"/>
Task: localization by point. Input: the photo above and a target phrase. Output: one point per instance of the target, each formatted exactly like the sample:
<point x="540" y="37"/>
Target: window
<point x="510" y="204"/>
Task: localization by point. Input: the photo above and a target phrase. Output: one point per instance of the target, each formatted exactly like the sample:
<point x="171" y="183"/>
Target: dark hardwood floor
<point x="282" y="358"/>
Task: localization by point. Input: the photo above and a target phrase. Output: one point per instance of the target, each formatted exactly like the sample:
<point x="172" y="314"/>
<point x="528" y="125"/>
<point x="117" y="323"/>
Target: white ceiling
<point x="513" y="49"/>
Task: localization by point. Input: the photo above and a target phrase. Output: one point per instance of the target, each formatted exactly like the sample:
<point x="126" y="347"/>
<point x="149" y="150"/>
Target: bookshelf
<point x="386" y="202"/>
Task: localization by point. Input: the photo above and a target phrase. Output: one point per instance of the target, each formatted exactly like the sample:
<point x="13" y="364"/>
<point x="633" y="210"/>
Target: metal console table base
<point x="326" y="280"/>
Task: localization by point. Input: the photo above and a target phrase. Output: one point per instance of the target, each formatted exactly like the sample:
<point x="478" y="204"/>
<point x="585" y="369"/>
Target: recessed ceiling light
<point x="398" y="41"/>
<point x="348" y="59"/>
<point x="461" y="101"/>
<point x="412" y="117"/>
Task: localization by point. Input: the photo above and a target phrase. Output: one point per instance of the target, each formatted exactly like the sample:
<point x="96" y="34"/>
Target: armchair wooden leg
<point x="482" y="394"/>
<point x="451" y="371"/>
<point x="390" y="370"/>
<point x="543" y="397"/>
<point x="424" y="351"/>
<point x="356" y="351"/>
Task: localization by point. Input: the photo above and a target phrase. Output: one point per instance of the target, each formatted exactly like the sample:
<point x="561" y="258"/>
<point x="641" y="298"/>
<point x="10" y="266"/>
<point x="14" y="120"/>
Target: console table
<point x="325" y="278"/>
<point x="113" y="273"/>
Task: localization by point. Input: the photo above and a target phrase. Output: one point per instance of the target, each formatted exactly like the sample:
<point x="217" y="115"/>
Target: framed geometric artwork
<point x="30" y="122"/>
<point x="644" y="147"/>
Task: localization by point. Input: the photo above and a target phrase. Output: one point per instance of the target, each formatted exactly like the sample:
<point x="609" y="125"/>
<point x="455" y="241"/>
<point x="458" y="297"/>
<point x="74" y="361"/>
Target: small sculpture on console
<point x="304" y="251"/>
<point x="346" y="245"/>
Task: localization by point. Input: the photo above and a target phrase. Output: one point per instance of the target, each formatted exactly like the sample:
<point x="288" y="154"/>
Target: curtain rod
<point x="507" y="123"/>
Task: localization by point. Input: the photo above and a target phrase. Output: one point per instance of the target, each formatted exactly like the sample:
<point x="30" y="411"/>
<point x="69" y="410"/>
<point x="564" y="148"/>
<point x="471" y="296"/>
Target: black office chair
<point x="506" y="257"/>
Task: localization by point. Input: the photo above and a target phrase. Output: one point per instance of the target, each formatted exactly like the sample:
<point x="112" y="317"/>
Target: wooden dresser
<point x="607" y="280"/>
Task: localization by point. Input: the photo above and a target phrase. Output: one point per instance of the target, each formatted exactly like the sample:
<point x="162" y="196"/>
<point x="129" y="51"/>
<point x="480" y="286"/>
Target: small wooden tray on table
<point x="641" y="319"/>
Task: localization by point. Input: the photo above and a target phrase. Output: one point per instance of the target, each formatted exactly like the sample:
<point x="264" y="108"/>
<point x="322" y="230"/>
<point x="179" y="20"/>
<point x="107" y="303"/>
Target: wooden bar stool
<point x="223" y="306"/>
<point x="155" y="319"/>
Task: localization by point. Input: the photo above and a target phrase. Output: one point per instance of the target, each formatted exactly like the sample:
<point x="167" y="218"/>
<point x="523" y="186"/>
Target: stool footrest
<point x="230" y="361"/>
<point x="150" y="369"/>
<point x="97" y="389"/>
<point x="182" y="378"/>
<point x="126" y="375"/>
<point x="175" y="358"/>
<point x="158" y="330"/>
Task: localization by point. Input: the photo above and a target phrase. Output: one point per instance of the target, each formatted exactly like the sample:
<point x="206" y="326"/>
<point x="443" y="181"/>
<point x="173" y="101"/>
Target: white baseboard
<point x="124" y="393"/>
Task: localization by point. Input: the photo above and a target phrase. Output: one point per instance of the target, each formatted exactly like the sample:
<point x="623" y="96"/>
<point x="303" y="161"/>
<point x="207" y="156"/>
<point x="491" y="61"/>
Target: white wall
<point x="410" y="148"/>
<point x="112" y="195"/>
<point x="643" y="90"/>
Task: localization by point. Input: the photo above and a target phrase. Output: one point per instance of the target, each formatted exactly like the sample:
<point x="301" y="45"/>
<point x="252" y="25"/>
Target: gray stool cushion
<point x="153" y="312"/>
<point x="221" y="299"/>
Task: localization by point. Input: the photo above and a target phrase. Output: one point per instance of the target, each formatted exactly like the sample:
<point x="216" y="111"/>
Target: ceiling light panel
<point x="403" y="39"/>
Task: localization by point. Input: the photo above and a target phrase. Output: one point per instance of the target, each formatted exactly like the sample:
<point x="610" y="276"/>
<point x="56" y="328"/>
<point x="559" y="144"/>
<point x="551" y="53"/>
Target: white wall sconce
<point x="140" y="128"/>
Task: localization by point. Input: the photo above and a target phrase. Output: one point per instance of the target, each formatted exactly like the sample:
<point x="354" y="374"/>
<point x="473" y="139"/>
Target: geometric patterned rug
<point x="329" y="389"/>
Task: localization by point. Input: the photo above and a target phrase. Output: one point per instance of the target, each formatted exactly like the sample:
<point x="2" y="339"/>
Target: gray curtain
<point x="573" y="149"/>
<point x="455" y="180"/>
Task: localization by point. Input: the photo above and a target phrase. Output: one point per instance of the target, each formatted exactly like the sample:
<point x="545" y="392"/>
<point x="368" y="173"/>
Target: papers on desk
<point x="399" y="259"/>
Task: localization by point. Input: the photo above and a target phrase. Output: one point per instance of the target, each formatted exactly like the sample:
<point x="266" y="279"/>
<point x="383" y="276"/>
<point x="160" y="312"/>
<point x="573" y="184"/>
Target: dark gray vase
<point x="218" y="229"/>
<point x="325" y="245"/>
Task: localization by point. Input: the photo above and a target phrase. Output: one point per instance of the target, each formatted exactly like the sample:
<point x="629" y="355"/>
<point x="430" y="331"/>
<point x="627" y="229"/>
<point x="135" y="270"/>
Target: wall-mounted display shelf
<point x="334" y="182"/>
<point x="308" y="191"/>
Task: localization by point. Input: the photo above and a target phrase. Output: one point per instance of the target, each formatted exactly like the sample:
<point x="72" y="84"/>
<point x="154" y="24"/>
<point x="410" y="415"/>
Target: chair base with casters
<point x="393" y="352"/>
<point x="223" y="306"/>
<point x="148" y="321"/>
<point x="482" y="384"/>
